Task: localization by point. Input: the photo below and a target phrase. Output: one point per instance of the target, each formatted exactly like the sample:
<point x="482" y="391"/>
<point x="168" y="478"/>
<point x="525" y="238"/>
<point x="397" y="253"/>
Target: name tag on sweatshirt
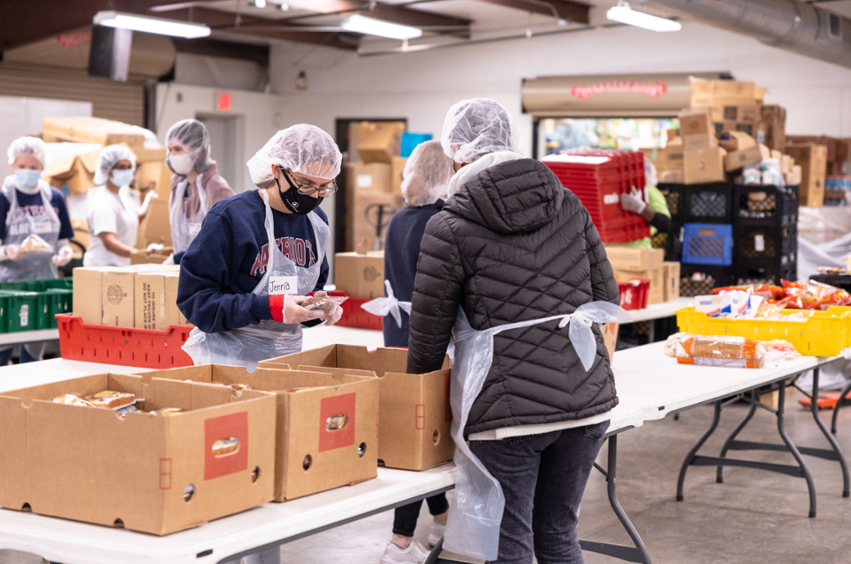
<point x="283" y="285"/>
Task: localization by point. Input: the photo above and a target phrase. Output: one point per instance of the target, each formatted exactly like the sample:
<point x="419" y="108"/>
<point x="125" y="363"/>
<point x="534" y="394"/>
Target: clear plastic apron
<point x="249" y="345"/>
<point x="185" y="229"/>
<point x="476" y="510"/>
<point x="19" y="226"/>
<point x="388" y="305"/>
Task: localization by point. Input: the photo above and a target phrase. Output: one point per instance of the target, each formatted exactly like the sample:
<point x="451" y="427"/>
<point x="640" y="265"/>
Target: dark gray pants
<point x="543" y="478"/>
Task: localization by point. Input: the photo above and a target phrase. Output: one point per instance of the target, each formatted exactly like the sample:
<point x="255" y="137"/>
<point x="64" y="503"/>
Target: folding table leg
<point x="693" y="452"/>
<point x="781" y="428"/>
<point x="846" y="486"/>
<point x="637" y="553"/>
<point x="842" y="397"/>
<point x="720" y="475"/>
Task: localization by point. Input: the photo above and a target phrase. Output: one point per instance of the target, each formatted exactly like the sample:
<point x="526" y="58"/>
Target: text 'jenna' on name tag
<point x="283" y="284"/>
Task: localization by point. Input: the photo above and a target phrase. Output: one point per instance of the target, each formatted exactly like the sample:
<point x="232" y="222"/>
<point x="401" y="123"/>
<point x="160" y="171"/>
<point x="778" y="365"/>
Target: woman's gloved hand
<point x="64" y="256"/>
<point x="169" y="261"/>
<point x="10" y="252"/>
<point x="294" y="313"/>
<point x="633" y="202"/>
<point x="332" y="317"/>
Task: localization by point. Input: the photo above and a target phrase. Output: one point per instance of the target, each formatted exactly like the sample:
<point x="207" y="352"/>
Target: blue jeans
<point x="543" y="478"/>
<point x="30" y="352"/>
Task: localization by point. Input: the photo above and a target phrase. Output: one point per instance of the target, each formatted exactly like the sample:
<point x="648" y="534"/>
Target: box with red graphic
<point x="190" y="453"/>
<point x="327" y="422"/>
<point x="415" y="413"/>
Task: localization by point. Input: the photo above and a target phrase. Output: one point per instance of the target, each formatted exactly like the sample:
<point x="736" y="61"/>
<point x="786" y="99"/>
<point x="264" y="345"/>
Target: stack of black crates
<point x="762" y="221"/>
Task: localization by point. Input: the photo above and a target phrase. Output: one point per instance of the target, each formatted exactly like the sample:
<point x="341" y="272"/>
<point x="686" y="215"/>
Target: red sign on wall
<point x="651" y="89"/>
<point x="223" y="102"/>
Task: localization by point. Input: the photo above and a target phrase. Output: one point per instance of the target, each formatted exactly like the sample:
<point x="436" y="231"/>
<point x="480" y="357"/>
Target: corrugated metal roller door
<point x="122" y="101"/>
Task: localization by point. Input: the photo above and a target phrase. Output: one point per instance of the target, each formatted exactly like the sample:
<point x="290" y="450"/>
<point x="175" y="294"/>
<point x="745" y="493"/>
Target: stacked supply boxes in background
<point x="837" y="165"/>
<point x="359" y="275"/>
<point x="647" y="264"/>
<point x="812" y="159"/>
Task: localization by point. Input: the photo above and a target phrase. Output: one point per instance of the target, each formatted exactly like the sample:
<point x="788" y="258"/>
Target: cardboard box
<point x="719" y="93"/>
<point x="796" y="175"/>
<point x="704" y="165"/>
<point x="372" y="177"/>
<point x="379" y="142"/>
<point x="696" y="124"/>
<point x="735" y="140"/>
<point x="118" y="298"/>
<point x="139" y="256"/>
<point x="771" y="130"/>
<point x="700" y="141"/>
<point x="813" y="161"/>
<point x="786" y="163"/>
<point x="311" y="454"/>
<point x="173" y="314"/>
<point x="397" y="167"/>
<point x="156" y="227"/>
<point x="150" y="296"/>
<point x="750" y="113"/>
<point x="90" y="130"/>
<point x="87" y="294"/>
<point x="738" y="159"/>
<point x="72" y="174"/>
<point x="673" y="177"/>
<point x="656" y="292"/>
<point x="748" y="128"/>
<point x="365" y="218"/>
<point x="672" y="281"/>
<point x="610" y="337"/>
<point x="414" y="429"/>
<point x="360" y="275"/>
<point x="672" y="134"/>
<point x="629" y="259"/>
<point x="154" y="176"/>
<point x="140" y="471"/>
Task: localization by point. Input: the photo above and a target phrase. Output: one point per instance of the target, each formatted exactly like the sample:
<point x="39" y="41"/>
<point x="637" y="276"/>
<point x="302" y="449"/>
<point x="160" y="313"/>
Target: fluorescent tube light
<point x="148" y="24"/>
<point x="624" y="14"/>
<point x="372" y="26"/>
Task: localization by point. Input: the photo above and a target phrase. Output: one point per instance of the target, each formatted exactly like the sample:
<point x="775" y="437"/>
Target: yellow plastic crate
<point x="826" y="333"/>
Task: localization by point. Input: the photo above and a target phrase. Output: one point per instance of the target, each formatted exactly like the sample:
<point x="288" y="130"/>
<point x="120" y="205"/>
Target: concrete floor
<point x="753" y="517"/>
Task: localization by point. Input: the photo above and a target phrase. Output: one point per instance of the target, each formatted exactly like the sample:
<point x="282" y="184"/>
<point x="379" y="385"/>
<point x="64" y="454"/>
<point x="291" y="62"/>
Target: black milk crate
<point x="841" y="281"/>
<point x="755" y="240"/>
<point x="675" y="199"/>
<point x="700" y="279"/>
<point x="766" y="204"/>
<point x="766" y="271"/>
<point x="709" y="203"/>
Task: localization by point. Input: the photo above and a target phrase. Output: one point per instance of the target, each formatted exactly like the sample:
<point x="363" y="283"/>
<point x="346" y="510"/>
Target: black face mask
<point x="297" y="202"/>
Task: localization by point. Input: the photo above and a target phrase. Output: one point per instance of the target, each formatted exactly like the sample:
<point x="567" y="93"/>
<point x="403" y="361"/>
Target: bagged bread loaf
<point x="721" y="351"/>
<point x="34" y="244"/>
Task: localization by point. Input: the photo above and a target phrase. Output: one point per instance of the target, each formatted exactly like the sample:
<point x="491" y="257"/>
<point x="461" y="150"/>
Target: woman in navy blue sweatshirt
<point x="243" y="293"/>
<point x="425" y="180"/>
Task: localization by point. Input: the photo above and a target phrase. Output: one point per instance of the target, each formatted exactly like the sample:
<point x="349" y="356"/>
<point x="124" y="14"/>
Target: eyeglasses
<point x="323" y="190"/>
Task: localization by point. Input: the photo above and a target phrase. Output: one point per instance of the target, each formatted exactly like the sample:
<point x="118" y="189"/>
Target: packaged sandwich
<point x="234" y="386"/>
<point x="323" y="303"/>
<point x="110" y="399"/>
<point x="72" y="399"/>
<point x="34" y="244"/>
<point x="167" y="411"/>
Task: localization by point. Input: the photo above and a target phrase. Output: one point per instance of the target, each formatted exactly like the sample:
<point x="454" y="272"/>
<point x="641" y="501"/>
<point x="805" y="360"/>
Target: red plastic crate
<point x="355" y="316"/>
<point x="634" y="293"/>
<point x="126" y="346"/>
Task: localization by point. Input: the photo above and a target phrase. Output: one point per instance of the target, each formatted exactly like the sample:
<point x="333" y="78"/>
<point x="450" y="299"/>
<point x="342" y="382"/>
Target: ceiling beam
<point x="439" y="23"/>
<point x="573" y="12"/>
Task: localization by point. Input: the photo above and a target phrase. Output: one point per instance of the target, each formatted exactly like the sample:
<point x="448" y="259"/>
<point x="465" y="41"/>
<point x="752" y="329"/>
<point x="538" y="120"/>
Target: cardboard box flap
<point x="60" y="167"/>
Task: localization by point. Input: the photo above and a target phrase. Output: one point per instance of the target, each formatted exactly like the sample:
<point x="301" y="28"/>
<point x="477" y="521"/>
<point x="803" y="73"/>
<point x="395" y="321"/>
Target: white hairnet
<point x="302" y="148"/>
<point x="426" y="175"/>
<point x="108" y="158"/>
<point x="477" y="127"/>
<point x="193" y="135"/>
<point x="650" y="173"/>
<point x="27" y="146"/>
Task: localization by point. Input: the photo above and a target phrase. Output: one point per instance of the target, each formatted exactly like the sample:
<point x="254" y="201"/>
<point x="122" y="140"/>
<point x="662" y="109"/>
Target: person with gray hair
<point x="196" y="185"/>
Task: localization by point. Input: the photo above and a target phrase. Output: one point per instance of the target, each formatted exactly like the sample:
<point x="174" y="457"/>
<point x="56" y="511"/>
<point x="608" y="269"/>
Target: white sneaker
<point x="414" y="554"/>
<point x="436" y="533"/>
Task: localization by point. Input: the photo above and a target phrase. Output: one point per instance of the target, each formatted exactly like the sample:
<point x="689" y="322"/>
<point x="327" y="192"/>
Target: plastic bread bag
<point x="323" y="303"/>
<point x="737" y="352"/>
<point x="672" y="342"/>
<point x="245" y="346"/>
<point x="388" y="306"/>
<point x="72" y="399"/>
<point x="35" y="244"/>
<point x="476" y="509"/>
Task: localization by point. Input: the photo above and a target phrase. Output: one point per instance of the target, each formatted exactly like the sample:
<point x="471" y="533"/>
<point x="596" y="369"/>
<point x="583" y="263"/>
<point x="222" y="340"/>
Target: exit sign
<point x="223" y="101"/>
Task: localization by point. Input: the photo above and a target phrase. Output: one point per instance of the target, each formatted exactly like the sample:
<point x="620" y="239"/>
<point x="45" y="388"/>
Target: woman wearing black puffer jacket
<point x="512" y="244"/>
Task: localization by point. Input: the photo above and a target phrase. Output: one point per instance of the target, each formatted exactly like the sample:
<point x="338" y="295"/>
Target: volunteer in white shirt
<point x="114" y="211"/>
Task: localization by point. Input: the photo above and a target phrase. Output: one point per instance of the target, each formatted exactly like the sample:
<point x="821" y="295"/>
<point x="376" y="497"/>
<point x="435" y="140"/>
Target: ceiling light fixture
<point x="259" y="3"/>
<point x="372" y="26"/>
<point x="624" y="14"/>
<point x="148" y="24"/>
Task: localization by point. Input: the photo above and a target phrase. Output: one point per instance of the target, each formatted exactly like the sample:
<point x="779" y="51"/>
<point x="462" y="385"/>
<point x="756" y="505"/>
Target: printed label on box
<point x="233" y="429"/>
<point x="364" y="181"/>
<point x="337" y="422"/>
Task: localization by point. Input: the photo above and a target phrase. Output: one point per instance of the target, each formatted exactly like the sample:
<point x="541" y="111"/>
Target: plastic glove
<point x="633" y="202"/>
<point x="294" y="313"/>
<point x="11" y="252"/>
<point x="64" y="256"/>
<point x="143" y="210"/>
<point x="169" y="261"/>
<point x="334" y="315"/>
<point x="154" y="247"/>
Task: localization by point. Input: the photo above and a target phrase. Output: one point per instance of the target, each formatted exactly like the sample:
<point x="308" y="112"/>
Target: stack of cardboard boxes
<point x="812" y="159"/>
<point x="143" y="296"/>
<point x="648" y="264"/>
<point x="373" y="190"/>
<point x="360" y="274"/>
<point x="836" y="156"/>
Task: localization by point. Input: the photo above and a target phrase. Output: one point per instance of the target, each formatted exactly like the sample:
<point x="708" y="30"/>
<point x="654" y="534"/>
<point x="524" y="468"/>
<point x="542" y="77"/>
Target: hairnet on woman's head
<point x="475" y="128"/>
<point x="193" y="135"/>
<point x="108" y="158"/>
<point x="27" y="146"/>
<point x="302" y="148"/>
<point x="426" y="175"/>
<point x="650" y="173"/>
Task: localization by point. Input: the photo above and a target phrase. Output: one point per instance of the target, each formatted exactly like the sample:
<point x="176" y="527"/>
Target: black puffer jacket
<point x="514" y="245"/>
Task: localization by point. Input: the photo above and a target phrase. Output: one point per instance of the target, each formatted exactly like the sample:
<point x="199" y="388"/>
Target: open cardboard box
<point x="311" y="455"/>
<point x="414" y="430"/>
<point x="141" y="471"/>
